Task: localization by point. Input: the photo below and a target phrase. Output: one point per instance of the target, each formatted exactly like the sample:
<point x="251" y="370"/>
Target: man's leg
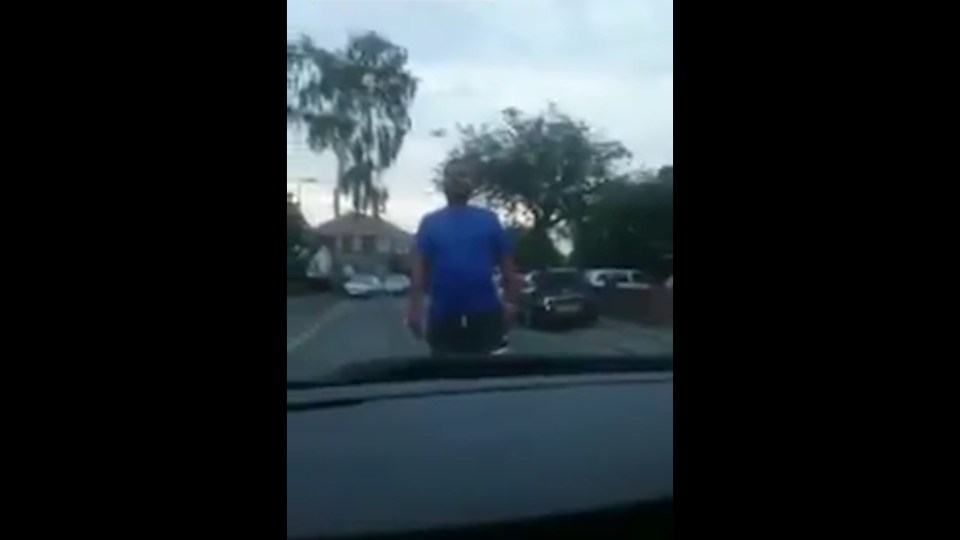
<point x="474" y="334"/>
<point x="442" y="336"/>
<point x="484" y="332"/>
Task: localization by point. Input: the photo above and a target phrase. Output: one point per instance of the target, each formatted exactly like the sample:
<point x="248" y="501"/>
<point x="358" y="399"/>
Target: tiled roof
<point x="361" y="225"/>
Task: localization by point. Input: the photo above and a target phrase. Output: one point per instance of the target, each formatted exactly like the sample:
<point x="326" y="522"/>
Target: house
<point x="366" y="243"/>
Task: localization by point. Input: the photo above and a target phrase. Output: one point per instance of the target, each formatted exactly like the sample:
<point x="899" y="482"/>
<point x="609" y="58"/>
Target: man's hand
<point x="415" y="320"/>
<point x="509" y="314"/>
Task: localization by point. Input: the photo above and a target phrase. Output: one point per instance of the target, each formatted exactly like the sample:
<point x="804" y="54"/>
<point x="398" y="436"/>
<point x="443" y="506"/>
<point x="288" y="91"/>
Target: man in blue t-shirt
<point x="457" y="249"/>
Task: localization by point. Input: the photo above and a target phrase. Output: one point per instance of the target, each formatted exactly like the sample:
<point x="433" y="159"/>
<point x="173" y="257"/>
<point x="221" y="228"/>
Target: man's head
<point x="459" y="180"/>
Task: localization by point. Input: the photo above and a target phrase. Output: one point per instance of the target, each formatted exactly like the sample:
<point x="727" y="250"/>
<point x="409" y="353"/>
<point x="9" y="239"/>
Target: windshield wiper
<point x="423" y="369"/>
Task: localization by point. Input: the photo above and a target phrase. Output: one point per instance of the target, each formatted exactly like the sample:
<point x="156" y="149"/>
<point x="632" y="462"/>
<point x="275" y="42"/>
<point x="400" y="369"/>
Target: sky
<point x="608" y="62"/>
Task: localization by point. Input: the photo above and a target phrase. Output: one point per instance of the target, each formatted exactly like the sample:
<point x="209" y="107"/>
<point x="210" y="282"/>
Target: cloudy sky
<point x="609" y="62"/>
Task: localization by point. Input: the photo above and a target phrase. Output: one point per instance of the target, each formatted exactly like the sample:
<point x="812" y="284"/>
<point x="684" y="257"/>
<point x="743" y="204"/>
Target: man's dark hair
<point x="459" y="177"/>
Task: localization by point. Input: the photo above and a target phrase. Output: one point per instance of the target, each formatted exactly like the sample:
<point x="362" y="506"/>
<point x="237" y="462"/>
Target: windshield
<point x="491" y="178"/>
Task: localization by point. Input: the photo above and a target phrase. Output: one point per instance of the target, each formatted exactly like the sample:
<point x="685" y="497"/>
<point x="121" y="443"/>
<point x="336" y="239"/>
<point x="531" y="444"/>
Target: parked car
<point x="361" y="285"/>
<point x="396" y="284"/>
<point x="556" y="296"/>
<point x="621" y="278"/>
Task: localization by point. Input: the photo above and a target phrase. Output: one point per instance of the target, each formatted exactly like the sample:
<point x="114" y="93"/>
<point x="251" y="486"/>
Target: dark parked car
<point x="557" y="296"/>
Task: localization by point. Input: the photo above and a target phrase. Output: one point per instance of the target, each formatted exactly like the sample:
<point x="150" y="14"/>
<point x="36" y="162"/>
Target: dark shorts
<point x="477" y="333"/>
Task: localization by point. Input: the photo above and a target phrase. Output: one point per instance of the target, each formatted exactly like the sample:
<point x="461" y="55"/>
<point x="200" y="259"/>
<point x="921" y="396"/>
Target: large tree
<point x="629" y="223"/>
<point x="533" y="250"/>
<point x="354" y="101"/>
<point x="540" y="169"/>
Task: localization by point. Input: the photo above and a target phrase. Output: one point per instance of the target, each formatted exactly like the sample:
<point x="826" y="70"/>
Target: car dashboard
<point x="502" y="456"/>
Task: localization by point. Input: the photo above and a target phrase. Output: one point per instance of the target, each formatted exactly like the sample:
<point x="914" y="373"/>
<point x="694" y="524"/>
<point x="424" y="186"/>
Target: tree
<point x="296" y="224"/>
<point x="532" y="250"/>
<point x="299" y="239"/>
<point x="540" y="169"/>
<point x="629" y="223"/>
<point x="355" y="102"/>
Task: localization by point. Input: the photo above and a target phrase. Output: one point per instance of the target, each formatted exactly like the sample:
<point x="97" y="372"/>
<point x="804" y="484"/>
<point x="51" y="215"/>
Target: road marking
<point x="325" y="318"/>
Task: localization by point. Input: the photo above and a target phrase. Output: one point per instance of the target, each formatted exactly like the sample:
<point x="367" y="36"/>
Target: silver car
<point x="396" y="284"/>
<point x="361" y="286"/>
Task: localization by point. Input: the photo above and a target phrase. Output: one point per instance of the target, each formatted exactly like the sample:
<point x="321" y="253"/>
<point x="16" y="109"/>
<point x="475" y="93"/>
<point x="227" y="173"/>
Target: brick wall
<point x="650" y="306"/>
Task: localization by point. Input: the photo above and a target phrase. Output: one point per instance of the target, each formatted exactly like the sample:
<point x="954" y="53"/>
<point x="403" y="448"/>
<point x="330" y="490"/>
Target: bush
<point x="296" y="267"/>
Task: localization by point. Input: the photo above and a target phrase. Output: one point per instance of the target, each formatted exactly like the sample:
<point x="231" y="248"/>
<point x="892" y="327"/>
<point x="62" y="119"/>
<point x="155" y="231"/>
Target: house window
<point x="346" y="243"/>
<point x="383" y="245"/>
<point x="368" y="243"/>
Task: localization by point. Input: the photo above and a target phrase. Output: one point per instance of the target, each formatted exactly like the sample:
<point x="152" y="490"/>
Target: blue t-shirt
<point x="461" y="245"/>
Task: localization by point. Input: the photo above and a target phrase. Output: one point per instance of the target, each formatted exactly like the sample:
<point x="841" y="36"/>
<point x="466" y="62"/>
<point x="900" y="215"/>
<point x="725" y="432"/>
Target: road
<point x="324" y="334"/>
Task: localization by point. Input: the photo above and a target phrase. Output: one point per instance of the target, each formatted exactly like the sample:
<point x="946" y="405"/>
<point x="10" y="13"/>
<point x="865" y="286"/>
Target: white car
<point x="621" y="278"/>
<point x="363" y="286"/>
<point x="396" y="284"/>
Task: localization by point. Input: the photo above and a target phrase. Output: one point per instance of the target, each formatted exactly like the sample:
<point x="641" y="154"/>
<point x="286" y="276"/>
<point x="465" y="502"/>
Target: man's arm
<point x="508" y="272"/>
<point x="511" y="284"/>
<point x="418" y="279"/>
<point x="417" y="284"/>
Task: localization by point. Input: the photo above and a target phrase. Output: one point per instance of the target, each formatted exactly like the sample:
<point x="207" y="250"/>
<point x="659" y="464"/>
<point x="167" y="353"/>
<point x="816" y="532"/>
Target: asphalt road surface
<point x="325" y="333"/>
